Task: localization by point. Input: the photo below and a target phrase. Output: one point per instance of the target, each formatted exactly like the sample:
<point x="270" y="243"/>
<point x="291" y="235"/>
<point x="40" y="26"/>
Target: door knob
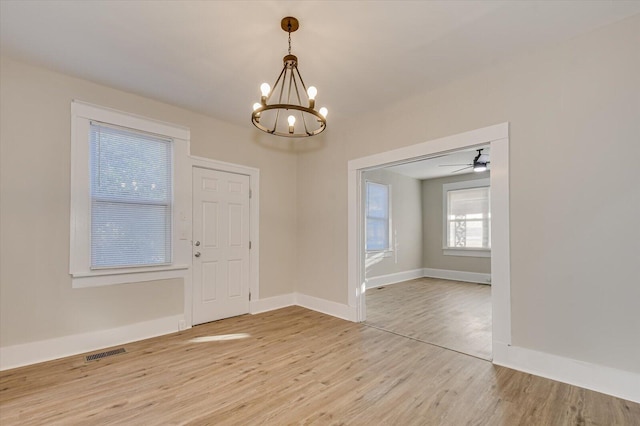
<point x="197" y="243"/>
<point x="197" y="254"/>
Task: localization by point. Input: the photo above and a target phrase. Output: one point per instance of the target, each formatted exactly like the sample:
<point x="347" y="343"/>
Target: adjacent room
<point x="428" y="250"/>
<point x="221" y="212"/>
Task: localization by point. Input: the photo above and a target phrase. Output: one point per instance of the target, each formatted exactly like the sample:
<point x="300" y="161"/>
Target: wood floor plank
<point x="295" y="367"/>
<point x="452" y="314"/>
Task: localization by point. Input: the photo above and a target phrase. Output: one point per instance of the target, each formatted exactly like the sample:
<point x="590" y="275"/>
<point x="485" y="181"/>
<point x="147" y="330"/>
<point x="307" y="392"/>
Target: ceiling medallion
<point x="302" y="119"/>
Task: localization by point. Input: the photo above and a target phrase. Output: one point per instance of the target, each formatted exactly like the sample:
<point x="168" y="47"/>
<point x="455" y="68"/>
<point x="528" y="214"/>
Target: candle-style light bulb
<point x="256" y="106"/>
<point x="312" y="92"/>
<point x="323" y="112"/>
<point x="265" y="89"/>
<point x="292" y="120"/>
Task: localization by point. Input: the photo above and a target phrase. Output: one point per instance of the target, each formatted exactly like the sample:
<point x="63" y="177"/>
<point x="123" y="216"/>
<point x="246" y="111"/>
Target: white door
<point x="220" y="245"/>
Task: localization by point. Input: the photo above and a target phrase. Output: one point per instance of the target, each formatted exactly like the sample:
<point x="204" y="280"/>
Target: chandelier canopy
<point x="293" y="114"/>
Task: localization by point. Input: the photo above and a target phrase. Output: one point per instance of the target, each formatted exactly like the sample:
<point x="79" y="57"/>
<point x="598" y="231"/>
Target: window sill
<point x="121" y="276"/>
<point x="468" y="252"/>
<point x="379" y="253"/>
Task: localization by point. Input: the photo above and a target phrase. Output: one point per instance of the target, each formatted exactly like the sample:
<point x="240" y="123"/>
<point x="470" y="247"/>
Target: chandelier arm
<point x="292" y="82"/>
<point x="276" y="83"/>
<point x="301" y="80"/>
<point x="295" y="82"/>
<point x="304" y="122"/>
<point x="282" y="83"/>
<point x="275" y="124"/>
<point x="283" y="75"/>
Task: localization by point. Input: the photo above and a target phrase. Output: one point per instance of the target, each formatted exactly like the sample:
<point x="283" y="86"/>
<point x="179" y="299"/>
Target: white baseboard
<point x="272" y="303"/>
<point x="381" y="280"/>
<point x="326" y="307"/>
<point x="611" y="381"/>
<point x="60" y="347"/>
<point x="472" y="277"/>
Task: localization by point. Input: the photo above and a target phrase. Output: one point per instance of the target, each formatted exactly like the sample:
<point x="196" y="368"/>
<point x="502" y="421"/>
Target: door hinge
<point x="249" y="245"/>
<point x="250" y="193"/>
<point x="249" y="296"/>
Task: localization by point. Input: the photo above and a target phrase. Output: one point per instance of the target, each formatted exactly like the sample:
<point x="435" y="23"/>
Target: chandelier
<point x="292" y="115"/>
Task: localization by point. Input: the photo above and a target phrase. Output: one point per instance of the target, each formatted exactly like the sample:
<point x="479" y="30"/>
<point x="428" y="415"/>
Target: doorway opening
<point x="427" y="250"/>
<point x="497" y="139"/>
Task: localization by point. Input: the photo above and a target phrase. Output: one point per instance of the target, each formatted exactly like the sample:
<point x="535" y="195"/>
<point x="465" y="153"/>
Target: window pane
<point x="377" y="234"/>
<point x="131" y="177"/>
<point x="130" y="234"/>
<point x="377" y="216"/>
<point x="377" y="200"/>
<point x="468" y="218"/>
<point x="129" y="166"/>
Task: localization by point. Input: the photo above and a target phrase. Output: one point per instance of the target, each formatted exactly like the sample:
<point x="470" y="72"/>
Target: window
<point x="127" y="224"/>
<point x="377" y="217"/>
<point x="131" y="198"/>
<point x="467" y="218"/>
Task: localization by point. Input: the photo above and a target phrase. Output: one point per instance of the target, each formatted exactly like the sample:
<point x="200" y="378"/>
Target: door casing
<point x="498" y="138"/>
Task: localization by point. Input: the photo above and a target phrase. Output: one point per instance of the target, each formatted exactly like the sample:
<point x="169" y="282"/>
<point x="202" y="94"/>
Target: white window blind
<point x="377" y="216"/>
<point x="468" y="218"/>
<point x="131" y="198"/>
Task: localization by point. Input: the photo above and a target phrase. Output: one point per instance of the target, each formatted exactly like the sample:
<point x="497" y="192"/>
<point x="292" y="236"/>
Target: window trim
<point x="389" y="249"/>
<point x="461" y="251"/>
<point x="80" y="214"/>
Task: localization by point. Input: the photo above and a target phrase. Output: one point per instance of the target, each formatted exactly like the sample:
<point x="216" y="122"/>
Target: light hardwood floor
<point x="295" y="367"/>
<point x="452" y="314"/>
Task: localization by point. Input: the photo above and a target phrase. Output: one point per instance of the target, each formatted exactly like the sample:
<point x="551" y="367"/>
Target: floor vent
<point x="101" y="355"/>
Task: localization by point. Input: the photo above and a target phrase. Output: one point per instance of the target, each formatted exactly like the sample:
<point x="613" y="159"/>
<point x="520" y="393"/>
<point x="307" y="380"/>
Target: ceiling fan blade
<point x="450" y="165"/>
<point x="464" y="168"/>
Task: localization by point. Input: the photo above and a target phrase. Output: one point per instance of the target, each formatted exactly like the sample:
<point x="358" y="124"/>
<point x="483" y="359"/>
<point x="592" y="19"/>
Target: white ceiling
<point x="443" y="165"/>
<point x="211" y="56"/>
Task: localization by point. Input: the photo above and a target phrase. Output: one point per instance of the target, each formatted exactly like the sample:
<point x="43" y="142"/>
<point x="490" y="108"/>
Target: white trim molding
<point x="466" y="252"/>
<point x="611" y="381"/>
<point x="328" y="307"/>
<point x="497" y="136"/>
<point x="380" y="280"/>
<point x="324" y="306"/>
<point x="272" y="303"/>
<point x="82" y="275"/>
<point x="446" y="274"/>
<point x="60" y="347"/>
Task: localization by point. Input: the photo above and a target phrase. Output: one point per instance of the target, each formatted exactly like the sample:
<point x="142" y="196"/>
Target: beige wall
<point x="574" y="138"/>
<point x="432" y="222"/>
<point x="37" y="301"/>
<point x="574" y="113"/>
<point x="406" y="225"/>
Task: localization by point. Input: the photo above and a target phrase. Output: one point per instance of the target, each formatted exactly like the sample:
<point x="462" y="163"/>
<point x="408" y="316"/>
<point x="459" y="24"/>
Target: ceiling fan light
<point x="479" y="167"/>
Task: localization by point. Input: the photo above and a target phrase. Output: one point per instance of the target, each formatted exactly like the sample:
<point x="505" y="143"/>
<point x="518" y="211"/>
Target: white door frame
<point x="254" y="223"/>
<point x="498" y="138"/>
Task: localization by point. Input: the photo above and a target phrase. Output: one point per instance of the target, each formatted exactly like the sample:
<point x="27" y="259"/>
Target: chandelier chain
<point x="289" y="38"/>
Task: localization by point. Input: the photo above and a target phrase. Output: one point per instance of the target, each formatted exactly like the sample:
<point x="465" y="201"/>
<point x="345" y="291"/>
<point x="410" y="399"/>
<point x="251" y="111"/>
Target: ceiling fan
<point x="480" y="163"/>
